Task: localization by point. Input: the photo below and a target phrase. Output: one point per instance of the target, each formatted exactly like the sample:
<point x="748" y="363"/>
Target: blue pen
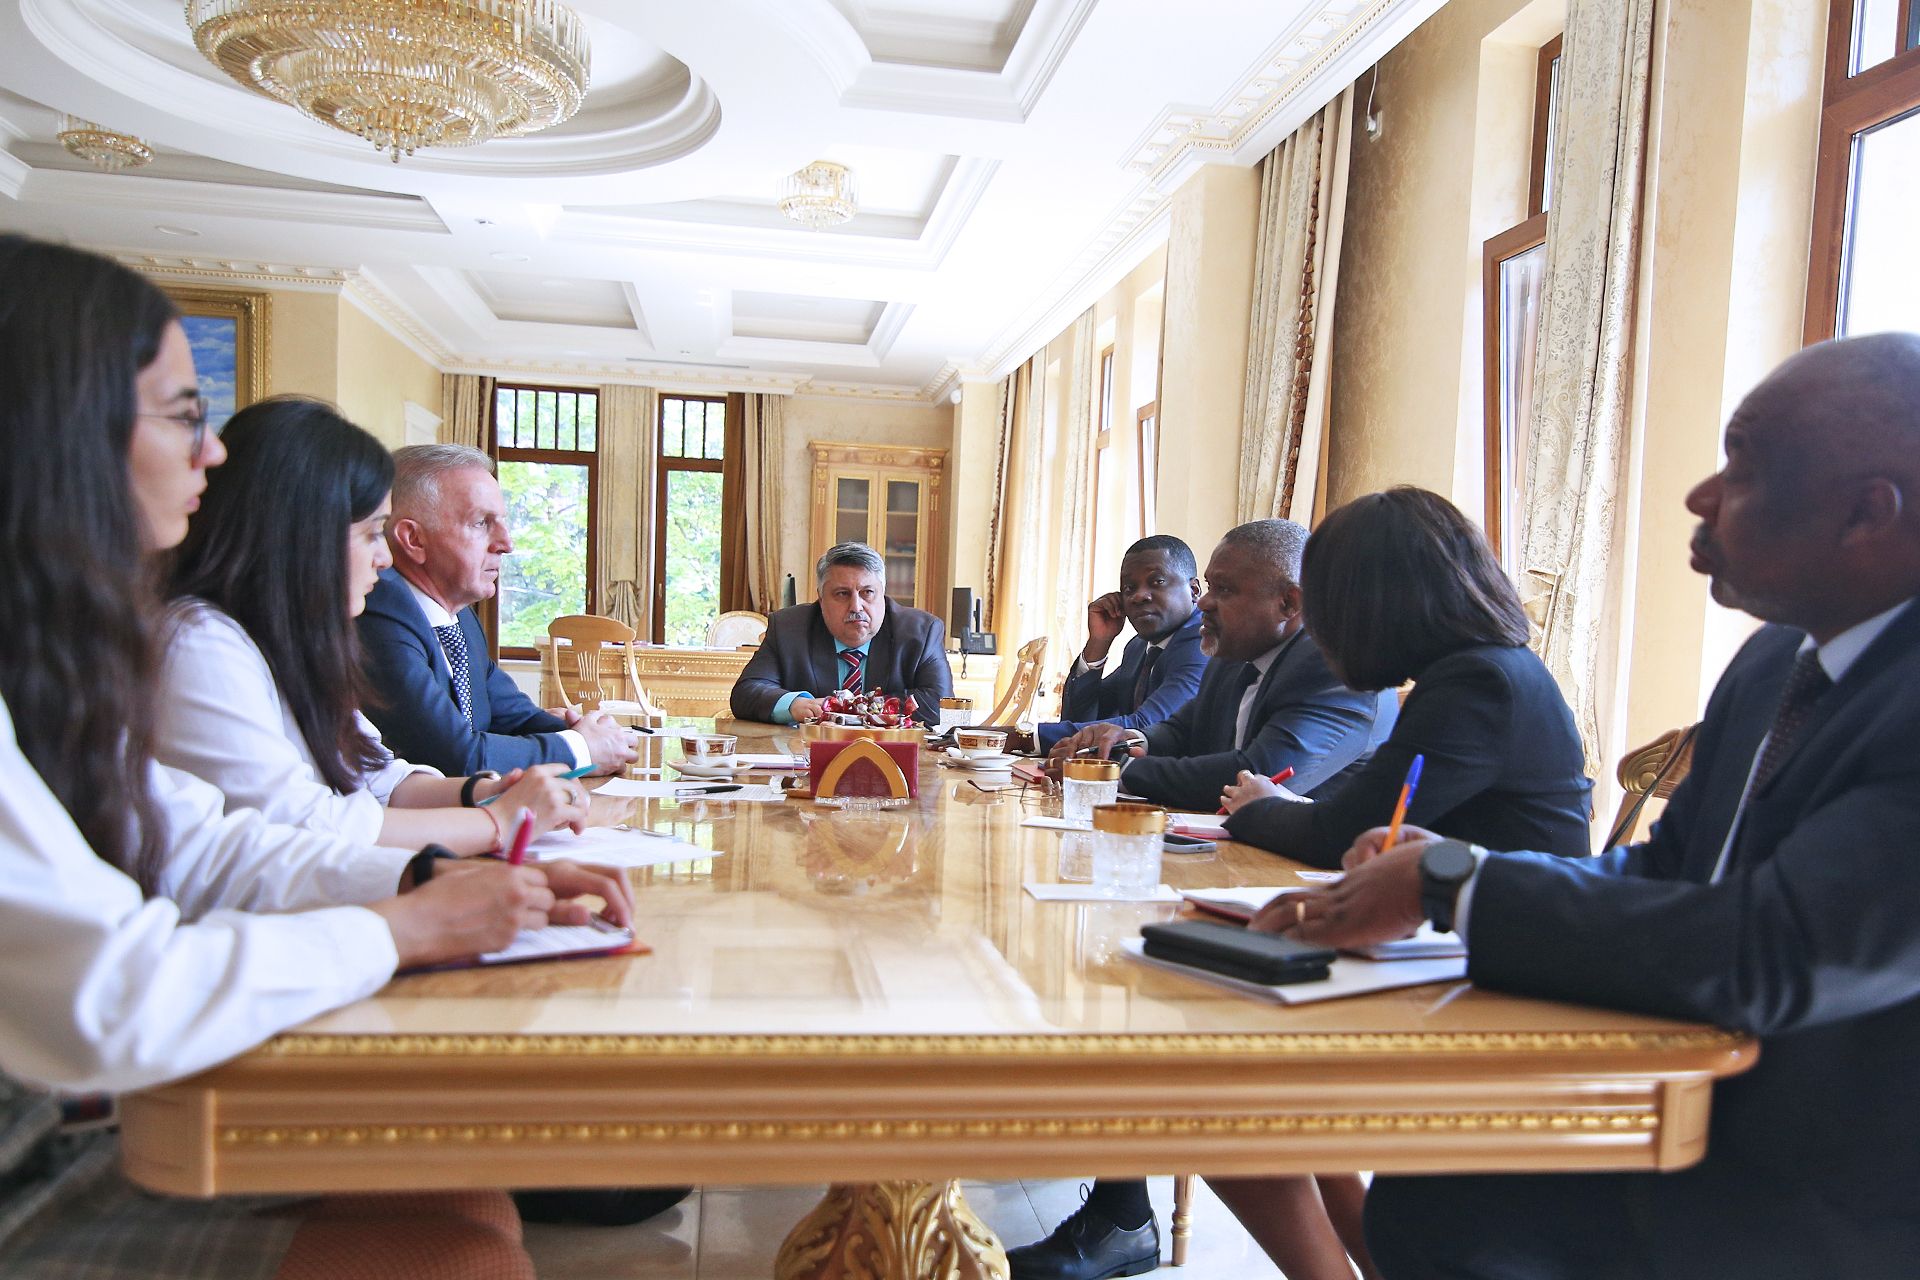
<point x="581" y="772"/>
<point x="1411" y="785"/>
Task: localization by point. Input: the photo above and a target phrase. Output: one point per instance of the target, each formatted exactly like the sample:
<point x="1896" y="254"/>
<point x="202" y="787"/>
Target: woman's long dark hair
<point x="76" y="655"/>
<point x="269" y="547"/>
<point x="1394" y="581"/>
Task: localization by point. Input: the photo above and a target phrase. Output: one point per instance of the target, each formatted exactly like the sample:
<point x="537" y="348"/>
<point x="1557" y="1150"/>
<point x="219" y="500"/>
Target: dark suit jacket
<point x="1504" y="768"/>
<point x="415" y="708"/>
<point x="1303" y="719"/>
<point x="908" y="655"/>
<point x="1811" y="940"/>
<point x="1088" y="698"/>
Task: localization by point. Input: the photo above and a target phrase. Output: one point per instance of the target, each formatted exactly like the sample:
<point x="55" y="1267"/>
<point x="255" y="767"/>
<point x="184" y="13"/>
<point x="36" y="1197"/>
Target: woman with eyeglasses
<point x="261" y="675"/>
<point x="144" y="934"/>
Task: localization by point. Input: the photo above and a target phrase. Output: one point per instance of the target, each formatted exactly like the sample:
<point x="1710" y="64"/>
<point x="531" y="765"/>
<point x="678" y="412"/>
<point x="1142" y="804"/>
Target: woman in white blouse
<point x="261" y="682"/>
<point x="145" y="934"/>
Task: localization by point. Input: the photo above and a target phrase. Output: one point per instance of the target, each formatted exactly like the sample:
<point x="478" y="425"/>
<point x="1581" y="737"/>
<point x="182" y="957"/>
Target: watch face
<point x="1448" y="861"/>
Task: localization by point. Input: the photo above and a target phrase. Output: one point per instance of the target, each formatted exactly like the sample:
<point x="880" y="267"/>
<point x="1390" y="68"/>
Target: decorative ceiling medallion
<point x="405" y="73"/>
<point x="102" y="148"/>
<point x="820" y="195"/>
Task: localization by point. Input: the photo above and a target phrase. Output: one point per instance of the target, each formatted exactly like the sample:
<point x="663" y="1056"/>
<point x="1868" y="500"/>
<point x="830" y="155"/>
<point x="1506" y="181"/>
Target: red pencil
<point x="521" y="835"/>
<point x="1281" y="776"/>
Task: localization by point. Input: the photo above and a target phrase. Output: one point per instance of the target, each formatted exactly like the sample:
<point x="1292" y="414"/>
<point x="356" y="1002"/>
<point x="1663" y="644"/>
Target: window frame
<point x="590" y="459"/>
<point x="664" y="467"/>
<point x="1852" y="104"/>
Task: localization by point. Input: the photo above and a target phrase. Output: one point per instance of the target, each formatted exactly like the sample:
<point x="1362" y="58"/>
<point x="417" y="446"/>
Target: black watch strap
<point x="1445" y="866"/>
<point x="420" y="865"/>
<point x="473" y="780"/>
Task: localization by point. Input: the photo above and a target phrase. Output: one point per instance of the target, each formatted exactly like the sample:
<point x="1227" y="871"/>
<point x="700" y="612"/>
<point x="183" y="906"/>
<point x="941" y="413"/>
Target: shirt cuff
<point x="1464" y="902"/>
<point x="782" y="710"/>
<point x="577" y="743"/>
<point x="1081" y="666"/>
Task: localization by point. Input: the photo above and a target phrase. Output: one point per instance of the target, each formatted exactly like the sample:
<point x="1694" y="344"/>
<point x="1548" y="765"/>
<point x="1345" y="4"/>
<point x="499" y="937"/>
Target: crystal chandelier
<point x="102" y="147"/>
<point x="820" y="195"/>
<point x="405" y="73"/>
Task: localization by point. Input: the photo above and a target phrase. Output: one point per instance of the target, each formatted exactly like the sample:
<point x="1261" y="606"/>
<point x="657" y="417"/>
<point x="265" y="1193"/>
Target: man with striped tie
<point x="851" y="638"/>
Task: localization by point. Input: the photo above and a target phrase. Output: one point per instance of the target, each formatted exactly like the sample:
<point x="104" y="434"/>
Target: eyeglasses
<point x="195" y="420"/>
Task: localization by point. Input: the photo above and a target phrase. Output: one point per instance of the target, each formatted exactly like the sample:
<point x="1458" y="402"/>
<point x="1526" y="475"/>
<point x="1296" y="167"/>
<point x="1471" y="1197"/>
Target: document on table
<point x="559" y="941"/>
<point x="1055" y="824"/>
<point x="1208" y="826"/>
<point x="691" y="789"/>
<point x="1238" y="902"/>
<point x="613" y="847"/>
<point x="1348" y="976"/>
<point x="1094" y="893"/>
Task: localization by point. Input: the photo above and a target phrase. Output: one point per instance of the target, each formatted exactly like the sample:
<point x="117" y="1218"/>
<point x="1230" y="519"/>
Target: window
<point x="1514" y="273"/>
<point x="1148" y="420"/>
<point x="547" y="441"/>
<point x="689" y="518"/>
<point x="1864" y="256"/>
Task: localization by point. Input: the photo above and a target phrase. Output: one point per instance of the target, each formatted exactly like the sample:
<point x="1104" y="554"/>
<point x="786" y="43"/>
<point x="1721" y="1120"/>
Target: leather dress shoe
<point x="1088" y="1247"/>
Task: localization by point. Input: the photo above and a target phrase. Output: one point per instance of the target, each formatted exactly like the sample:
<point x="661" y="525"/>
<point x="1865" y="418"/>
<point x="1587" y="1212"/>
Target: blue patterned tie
<point x="852" y="658"/>
<point x="455" y="645"/>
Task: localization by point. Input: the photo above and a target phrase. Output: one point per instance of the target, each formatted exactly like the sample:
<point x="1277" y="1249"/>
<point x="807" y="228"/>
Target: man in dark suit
<point x="852" y="637"/>
<point x="1779" y="894"/>
<point x="1160" y="667"/>
<point x="442" y="701"/>
<point x="1266" y="702"/>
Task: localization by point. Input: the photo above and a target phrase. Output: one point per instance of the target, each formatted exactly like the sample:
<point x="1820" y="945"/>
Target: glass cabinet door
<point x="901" y="545"/>
<point x="852" y="507"/>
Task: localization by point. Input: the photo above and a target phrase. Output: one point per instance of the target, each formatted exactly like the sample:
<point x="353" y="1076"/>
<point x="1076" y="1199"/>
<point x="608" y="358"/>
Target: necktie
<point x="1141" y="683"/>
<point x="852" y="658"/>
<point x="1247" y="681"/>
<point x="1805" y="683"/>
<point x="455" y="645"/>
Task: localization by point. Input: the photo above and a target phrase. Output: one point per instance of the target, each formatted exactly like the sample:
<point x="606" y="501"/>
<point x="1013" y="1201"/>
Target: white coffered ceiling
<point x="1013" y="158"/>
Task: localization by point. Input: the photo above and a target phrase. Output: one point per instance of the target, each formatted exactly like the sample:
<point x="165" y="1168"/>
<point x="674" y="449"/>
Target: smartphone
<point x="1266" y="958"/>
<point x="1173" y="842"/>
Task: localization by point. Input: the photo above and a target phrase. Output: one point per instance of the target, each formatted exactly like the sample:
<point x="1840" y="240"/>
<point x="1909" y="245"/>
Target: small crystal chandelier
<point x="820" y="195"/>
<point x="102" y="148"/>
<point x="405" y="73"/>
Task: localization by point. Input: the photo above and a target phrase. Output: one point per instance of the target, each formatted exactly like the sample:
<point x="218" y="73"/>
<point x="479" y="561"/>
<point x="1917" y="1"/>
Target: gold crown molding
<point x="1314" y="1044"/>
<point x="233" y="271"/>
<point x="1635" y="1120"/>
<point x="862" y="391"/>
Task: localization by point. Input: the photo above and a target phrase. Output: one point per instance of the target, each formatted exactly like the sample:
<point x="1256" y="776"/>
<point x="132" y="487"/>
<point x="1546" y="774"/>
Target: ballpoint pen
<point x="714" y="790"/>
<point x="1407" y="789"/>
<point x="523" y="833"/>
<point x="581" y="772"/>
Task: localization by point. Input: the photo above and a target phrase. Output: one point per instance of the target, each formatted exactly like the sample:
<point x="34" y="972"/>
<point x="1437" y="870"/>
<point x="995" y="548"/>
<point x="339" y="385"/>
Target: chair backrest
<point x="578" y="646"/>
<point x="1650" y="773"/>
<point x="1018" y="700"/>
<point x="736" y="628"/>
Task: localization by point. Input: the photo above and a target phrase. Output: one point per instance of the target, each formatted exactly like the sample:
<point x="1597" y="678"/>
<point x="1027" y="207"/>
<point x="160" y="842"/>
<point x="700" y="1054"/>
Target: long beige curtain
<point x="1005" y="406"/>
<point x="624" y="557"/>
<point x="764" y="453"/>
<point x="1584" y="416"/>
<point x="1019" y="613"/>
<point x="1303" y="209"/>
<point x="466" y="401"/>
<point x="1072" y="560"/>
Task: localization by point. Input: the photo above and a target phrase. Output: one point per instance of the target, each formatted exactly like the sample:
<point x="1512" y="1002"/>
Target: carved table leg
<point x="891" y="1231"/>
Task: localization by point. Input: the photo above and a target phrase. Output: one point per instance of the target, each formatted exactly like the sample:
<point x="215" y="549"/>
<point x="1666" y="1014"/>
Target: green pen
<point x="581" y="772"/>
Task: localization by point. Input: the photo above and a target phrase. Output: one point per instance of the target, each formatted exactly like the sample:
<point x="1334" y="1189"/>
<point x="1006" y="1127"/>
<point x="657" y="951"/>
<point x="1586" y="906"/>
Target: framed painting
<point x="228" y="331"/>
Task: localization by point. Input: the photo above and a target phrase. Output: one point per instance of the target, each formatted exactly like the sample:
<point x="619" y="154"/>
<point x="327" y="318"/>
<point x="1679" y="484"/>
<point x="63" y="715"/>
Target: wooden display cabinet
<point x="889" y="497"/>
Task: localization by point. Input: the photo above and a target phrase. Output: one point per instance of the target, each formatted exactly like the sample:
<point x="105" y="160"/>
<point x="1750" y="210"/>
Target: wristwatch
<point x="473" y="779"/>
<point x="420" y="865"/>
<point x="1445" y="865"/>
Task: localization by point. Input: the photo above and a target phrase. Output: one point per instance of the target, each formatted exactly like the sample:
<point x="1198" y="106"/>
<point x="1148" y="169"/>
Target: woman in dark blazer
<point x="1400" y="586"/>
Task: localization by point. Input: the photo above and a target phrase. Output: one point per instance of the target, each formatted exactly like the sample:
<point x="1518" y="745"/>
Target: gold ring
<point x="1299" y="912"/>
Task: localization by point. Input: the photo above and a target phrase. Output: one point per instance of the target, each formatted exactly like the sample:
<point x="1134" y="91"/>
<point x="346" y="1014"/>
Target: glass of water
<point x="1126" y="847"/>
<point x="1086" y="783"/>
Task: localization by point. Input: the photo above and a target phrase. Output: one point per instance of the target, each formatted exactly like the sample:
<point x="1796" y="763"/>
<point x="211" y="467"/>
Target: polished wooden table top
<point x="873" y="995"/>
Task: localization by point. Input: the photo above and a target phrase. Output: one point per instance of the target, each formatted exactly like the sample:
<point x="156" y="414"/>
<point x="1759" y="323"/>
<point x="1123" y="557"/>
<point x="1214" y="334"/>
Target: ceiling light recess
<point x="405" y="73"/>
<point x="820" y="195"/>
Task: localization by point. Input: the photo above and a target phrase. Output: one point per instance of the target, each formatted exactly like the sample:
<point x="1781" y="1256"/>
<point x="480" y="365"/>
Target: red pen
<point x="1281" y="776"/>
<point x="522" y="834"/>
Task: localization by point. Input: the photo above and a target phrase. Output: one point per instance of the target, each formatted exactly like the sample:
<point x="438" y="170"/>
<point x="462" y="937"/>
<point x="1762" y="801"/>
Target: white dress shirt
<point x="437" y="616"/>
<point x="223" y="719"/>
<point x="103" y="989"/>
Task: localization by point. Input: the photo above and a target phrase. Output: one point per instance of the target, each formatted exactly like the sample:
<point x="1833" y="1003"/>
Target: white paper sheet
<point x="610" y="846"/>
<point x="557" y="940"/>
<point x="1091" y="893"/>
<point x="1349" y="976"/>
<point x="1208" y="826"/>
<point x="689" y="789"/>
<point x="1055" y="824"/>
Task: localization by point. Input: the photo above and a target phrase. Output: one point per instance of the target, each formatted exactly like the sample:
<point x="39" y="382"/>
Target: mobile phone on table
<point x="1237" y="952"/>
<point x="1174" y="842"/>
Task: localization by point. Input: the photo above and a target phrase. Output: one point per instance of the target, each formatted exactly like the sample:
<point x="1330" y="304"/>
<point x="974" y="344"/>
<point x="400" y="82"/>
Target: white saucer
<point x="961" y="760"/>
<point x="693" y="770"/>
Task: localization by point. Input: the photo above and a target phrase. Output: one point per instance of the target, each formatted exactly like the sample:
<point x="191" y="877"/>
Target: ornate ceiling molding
<point x="269" y="275"/>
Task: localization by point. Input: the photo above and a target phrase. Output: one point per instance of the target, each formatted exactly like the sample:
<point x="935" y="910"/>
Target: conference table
<point x="873" y="1000"/>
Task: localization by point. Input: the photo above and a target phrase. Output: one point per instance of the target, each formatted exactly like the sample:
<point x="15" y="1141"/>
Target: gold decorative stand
<point x="891" y="1231"/>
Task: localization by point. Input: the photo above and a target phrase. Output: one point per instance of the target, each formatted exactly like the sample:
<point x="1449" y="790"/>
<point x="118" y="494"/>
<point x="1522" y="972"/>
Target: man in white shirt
<point x="1777" y="895"/>
<point x="443" y="701"/>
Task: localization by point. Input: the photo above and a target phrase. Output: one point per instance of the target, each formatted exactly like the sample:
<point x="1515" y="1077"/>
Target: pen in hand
<point x="522" y="835"/>
<point x="581" y="772"/>
<point x="1407" y="789"/>
<point x="1276" y="779"/>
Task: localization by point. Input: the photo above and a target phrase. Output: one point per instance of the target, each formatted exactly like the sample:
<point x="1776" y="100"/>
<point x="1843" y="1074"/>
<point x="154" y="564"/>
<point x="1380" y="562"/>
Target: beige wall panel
<point x="379" y="374"/>
<point x="306" y="344"/>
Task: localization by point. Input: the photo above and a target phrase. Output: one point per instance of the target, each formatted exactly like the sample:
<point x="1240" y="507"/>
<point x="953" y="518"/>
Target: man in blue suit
<point x="442" y="700"/>
<point x="1779" y="895"/>
<point x="1160" y="667"/>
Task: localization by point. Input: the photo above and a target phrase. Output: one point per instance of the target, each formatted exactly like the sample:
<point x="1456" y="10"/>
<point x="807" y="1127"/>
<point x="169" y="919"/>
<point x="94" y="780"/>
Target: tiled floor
<point x="733" y="1233"/>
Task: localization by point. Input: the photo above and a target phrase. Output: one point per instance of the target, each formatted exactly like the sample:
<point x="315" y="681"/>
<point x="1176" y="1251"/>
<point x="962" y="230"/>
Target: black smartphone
<point x="1174" y="842"/>
<point x="1265" y="958"/>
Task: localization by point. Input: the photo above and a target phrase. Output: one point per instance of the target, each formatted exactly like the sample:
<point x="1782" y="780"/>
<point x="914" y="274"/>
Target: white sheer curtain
<point x="1584" y="415"/>
<point x="1303" y="208"/>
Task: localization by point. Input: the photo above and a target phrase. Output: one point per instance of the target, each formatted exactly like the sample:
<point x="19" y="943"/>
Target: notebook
<point x="598" y="937"/>
<point x="1350" y="976"/>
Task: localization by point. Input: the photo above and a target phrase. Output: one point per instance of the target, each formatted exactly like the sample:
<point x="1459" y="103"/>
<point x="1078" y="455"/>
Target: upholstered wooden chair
<point x="588" y="660"/>
<point x="1018" y="699"/>
<point x="1648" y="773"/>
<point x="737" y="628"/>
